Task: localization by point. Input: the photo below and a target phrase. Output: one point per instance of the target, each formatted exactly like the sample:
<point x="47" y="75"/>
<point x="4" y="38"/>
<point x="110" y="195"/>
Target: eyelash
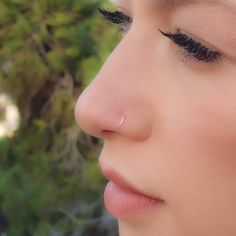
<point x="191" y="47"/>
<point x="117" y="17"/>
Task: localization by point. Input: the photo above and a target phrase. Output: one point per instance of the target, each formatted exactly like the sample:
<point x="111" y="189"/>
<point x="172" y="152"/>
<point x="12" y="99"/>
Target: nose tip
<point x="102" y="117"/>
<point x="95" y="116"/>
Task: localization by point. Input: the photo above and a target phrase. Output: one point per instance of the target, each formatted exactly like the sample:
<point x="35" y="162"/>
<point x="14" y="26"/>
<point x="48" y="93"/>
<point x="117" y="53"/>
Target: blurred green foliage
<point x="50" y="183"/>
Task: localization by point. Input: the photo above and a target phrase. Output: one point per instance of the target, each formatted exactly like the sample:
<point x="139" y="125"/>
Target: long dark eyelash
<point x="116" y="17"/>
<point x="193" y="48"/>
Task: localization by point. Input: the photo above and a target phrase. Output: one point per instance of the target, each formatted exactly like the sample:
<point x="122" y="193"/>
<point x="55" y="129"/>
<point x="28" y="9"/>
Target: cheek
<point x="204" y="132"/>
<point x="200" y="150"/>
<point x="211" y="130"/>
<point x="199" y="144"/>
<point x="202" y="143"/>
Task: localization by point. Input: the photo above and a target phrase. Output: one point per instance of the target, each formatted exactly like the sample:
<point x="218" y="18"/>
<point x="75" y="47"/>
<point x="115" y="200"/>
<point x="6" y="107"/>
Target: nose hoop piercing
<point x="121" y="122"/>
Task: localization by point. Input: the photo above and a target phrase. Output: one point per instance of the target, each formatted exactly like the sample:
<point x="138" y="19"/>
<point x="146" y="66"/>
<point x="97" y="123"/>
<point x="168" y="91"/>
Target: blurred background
<point x="50" y="182"/>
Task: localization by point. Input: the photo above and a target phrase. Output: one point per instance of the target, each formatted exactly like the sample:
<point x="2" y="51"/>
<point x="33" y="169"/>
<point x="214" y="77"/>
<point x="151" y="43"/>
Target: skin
<point x="180" y="119"/>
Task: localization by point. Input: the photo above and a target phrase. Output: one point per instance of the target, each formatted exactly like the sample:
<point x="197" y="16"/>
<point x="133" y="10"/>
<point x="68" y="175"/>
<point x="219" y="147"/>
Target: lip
<point x="116" y="178"/>
<point x="124" y="200"/>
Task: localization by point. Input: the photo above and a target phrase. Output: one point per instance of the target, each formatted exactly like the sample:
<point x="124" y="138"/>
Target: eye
<point x="117" y="17"/>
<point x="191" y="47"/>
<point x="194" y="48"/>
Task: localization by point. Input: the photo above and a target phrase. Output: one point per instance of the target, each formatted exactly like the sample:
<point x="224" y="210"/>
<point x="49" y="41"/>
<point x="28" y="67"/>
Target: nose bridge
<point x="123" y="60"/>
<point x="112" y="96"/>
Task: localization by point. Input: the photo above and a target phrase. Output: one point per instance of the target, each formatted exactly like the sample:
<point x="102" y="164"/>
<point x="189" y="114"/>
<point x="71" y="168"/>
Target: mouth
<point x="123" y="200"/>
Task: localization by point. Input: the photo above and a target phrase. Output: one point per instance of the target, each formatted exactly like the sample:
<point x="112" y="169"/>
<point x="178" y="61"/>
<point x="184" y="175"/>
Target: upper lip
<point x="116" y="178"/>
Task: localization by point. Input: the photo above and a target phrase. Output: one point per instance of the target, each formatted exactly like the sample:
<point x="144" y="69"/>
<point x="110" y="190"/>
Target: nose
<point x="114" y="96"/>
<point x="97" y="111"/>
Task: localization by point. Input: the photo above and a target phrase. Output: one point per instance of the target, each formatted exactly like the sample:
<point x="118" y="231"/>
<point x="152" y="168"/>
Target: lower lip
<point x="123" y="203"/>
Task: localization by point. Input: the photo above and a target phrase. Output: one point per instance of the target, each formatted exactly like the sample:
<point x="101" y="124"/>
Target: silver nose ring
<point x="121" y="122"/>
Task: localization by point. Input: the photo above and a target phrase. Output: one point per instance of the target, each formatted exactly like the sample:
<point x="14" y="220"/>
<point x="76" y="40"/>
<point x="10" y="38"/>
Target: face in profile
<point x="165" y="104"/>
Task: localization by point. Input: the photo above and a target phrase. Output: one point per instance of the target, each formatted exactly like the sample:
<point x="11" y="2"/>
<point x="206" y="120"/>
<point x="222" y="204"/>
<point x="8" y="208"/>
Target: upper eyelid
<point x="192" y="39"/>
<point x="207" y="45"/>
<point x="210" y="46"/>
<point x="201" y="41"/>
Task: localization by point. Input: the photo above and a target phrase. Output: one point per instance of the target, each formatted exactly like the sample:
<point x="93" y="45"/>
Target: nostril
<point x="95" y="140"/>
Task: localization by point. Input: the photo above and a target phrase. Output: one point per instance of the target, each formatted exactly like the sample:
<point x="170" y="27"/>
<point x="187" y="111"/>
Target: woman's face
<point x="178" y="138"/>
